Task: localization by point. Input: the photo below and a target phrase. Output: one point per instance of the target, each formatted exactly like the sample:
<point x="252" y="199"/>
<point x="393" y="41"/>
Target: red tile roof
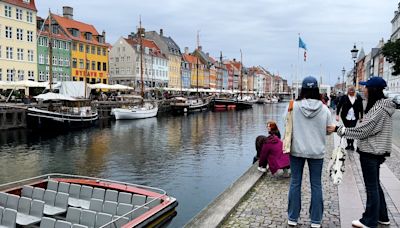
<point x="20" y="3"/>
<point x="190" y="58"/>
<point x="66" y="24"/>
<point x="60" y="36"/>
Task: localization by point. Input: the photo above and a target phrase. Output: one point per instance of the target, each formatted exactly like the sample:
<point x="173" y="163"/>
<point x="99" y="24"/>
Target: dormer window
<point x="88" y="36"/>
<point x="100" y="39"/>
<point x="74" y="32"/>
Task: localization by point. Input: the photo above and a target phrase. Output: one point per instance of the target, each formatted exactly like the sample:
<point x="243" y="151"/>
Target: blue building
<point x="185" y="73"/>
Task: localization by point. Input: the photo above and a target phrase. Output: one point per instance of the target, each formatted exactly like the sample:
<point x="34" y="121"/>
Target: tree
<point x="391" y="51"/>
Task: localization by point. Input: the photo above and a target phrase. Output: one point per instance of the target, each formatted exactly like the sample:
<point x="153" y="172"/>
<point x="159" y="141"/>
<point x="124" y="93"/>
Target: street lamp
<point x="354" y="53"/>
<point x="343" y="73"/>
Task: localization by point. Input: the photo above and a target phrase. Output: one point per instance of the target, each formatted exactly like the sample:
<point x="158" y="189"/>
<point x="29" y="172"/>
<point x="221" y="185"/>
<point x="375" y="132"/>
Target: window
<point x="66" y="45"/>
<point x="93" y="50"/>
<point x="7" y="11"/>
<point x="20" y="54"/>
<point x="30" y="55"/>
<point x="41" y="76"/>
<point x="31" y="75"/>
<point x="9" y="52"/>
<point x="45" y="41"/>
<point x="105" y="51"/>
<point x="87" y="64"/>
<point x="99" y="66"/>
<point x="81" y="47"/>
<point x="128" y="58"/>
<point x="20" y="75"/>
<point x="19" y="14"/>
<point x="29" y="16"/>
<point x="41" y="59"/>
<point x="19" y="34"/>
<point x="9" y="32"/>
<point x="10" y="75"/>
<point x="66" y="62"/>
<point x="104" y="66"/>
<point x="60" y="61"/>
<point x="87" y="48"/>
<point x="60" y="44"/>
<point x="1" y="74"/>
<point x="93" y="65"/>
<point x="54" y="60"/>
<point x="29" y="36"/>
<point x="116" y="70"/>
<point x="116" y="59"/>
<point x="74" y="63"/>
<point x="81" y="64"/>
<point x="122" y="70"/>
<point x="54" y="43"/>
<point x="74" y="46"/>
<point x="122" y="59"/>
<point x="98" y="51"/>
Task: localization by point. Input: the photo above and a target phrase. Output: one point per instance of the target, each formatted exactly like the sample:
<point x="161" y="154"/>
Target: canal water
<point x="194" y="157"/>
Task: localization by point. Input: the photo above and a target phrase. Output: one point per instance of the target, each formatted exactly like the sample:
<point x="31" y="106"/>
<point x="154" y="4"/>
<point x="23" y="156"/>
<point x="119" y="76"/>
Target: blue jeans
<point x="317" y="205"/>
<point x="376" y="205"/>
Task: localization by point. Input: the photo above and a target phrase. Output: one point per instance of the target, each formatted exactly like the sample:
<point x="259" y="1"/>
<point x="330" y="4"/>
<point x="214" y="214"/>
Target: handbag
<point x="336" y="165"/>
<point x="287" y="138"/>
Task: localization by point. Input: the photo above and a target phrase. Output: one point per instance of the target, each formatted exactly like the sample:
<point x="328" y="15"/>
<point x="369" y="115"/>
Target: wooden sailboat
<point x="144" y="109"/>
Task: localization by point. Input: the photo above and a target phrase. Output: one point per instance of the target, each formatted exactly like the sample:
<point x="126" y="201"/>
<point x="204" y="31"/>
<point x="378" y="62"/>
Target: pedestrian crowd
<point x="307" y="124"/>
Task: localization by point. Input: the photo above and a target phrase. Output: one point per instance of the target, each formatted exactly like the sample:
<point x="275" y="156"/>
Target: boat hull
<point x="40" y="119"/>
<point x="132" y="114"/>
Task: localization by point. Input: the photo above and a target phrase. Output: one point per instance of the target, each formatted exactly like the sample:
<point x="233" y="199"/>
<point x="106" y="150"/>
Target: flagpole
<point x="297" y="68"/>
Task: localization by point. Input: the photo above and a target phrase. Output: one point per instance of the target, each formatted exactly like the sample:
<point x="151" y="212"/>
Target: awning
<point x="110" y="87"/>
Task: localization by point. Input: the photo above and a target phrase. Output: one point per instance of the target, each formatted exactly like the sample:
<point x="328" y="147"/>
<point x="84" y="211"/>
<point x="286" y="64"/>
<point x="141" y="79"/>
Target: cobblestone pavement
<point x="266" y="204"/>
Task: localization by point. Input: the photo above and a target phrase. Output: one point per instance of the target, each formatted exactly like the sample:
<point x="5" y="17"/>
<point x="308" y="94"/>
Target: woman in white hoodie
<point x="310" y="121"/>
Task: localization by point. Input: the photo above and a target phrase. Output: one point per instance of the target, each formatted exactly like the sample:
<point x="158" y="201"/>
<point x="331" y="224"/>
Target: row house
<point x="61" y="52"/>
<point x="210" y="73"/>
<point x="125" y="63"/>
<point x="185" y="72"/>
<point x="172" y="51"/>
<point x="197" y="69"/>
<point x="18" y="48"/>
<point x="89" y="51"/>
<point x="230" y="71"/>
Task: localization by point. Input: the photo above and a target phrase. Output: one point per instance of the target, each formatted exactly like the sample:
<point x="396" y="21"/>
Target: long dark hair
<point x="374" y="95"/>
<point x="310" y="93"/>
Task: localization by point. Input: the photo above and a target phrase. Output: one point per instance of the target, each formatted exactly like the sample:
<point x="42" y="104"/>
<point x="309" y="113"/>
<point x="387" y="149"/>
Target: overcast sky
<point x="265" y="30"/>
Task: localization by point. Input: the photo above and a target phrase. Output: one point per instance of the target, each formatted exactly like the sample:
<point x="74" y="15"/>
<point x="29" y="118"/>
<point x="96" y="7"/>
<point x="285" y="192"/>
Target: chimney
<point x="68" y="12"/>
<point x="234" y="60"/>
<point x="199" y="48"/>
<point x="186" y="50"/>
<point x="104" y="35"/>
<point x="161" y="32"/>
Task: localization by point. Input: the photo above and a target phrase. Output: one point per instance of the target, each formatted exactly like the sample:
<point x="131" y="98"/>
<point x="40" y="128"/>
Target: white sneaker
<point x="384" y="223"/>
<point x="261" y="169"/>
<point x="315" y="225"/>
<point x="291" y="223"/>
<point x="357" y="223"/>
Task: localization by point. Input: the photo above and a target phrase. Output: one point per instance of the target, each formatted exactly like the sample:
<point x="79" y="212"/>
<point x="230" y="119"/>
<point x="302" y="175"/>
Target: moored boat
<point x="179" y="105"/>
<point x="146" y="110"/>
<point x="61" y="200"/>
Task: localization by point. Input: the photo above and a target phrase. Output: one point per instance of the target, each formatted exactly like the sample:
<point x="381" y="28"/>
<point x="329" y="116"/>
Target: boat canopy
<point x="21" y="84"/>
<point x="110" y="87"/>
<point x="54" y="96"/>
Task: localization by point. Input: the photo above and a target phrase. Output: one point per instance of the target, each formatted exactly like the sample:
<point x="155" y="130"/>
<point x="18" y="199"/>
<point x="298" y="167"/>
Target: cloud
<point x="266" y="30"/>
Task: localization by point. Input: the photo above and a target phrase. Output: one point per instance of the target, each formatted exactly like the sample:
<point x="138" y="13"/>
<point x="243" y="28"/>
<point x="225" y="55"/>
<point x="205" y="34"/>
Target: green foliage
<point x="391" y="51"/>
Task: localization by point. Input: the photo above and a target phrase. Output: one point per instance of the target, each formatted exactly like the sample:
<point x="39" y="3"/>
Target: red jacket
<point x="272" y="154"/>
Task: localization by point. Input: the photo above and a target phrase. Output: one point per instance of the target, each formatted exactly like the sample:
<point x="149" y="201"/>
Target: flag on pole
<point x="304" y="46"/>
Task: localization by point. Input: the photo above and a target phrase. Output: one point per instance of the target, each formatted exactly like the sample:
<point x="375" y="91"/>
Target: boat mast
<point x="221" y="71"/>
<point x="241" y="74"/>
<point x="50" y="53"/>
<point x="197" y="64"/>
<point x="86" y="72"/>
<point x="141" y="56"/>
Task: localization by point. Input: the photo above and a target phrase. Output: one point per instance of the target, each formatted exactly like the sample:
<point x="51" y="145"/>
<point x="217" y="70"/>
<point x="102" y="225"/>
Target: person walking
<point x="350" y="109"/>
<point x="374" y="135"/>
<point x="310" y="121"/>
<point x="272" y="152"/>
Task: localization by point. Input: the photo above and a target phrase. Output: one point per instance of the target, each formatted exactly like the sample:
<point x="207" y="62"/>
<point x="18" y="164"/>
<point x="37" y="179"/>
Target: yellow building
<point x="174" y="72"/>
<point x="18" y="47"/>
<point x="193" y="62"/>
<point x="89" y="51"/>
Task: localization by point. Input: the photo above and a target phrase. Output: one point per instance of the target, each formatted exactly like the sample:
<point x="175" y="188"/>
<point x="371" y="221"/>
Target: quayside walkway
<point x="265" y="204"/>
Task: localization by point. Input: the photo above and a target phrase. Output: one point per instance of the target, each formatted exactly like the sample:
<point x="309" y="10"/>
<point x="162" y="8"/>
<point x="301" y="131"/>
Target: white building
<point x="394" y="80"/>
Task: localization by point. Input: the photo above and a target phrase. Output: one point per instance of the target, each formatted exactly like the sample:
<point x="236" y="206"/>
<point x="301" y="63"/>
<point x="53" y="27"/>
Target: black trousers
<point x="349" y="123"/>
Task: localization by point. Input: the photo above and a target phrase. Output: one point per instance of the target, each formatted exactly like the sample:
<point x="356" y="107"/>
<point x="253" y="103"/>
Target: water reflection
<point x="194" y="157"/>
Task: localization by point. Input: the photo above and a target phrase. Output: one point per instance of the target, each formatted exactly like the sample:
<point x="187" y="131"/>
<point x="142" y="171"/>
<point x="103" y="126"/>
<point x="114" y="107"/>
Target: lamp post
<point x="343" y="73"/>
<point x="354" y="53"/>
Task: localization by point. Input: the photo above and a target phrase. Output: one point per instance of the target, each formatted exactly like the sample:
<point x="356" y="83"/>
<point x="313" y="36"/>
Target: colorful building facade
<point x="61" y="53"/>
<point x="18" y="48"/>
<point x="89" y="51"/>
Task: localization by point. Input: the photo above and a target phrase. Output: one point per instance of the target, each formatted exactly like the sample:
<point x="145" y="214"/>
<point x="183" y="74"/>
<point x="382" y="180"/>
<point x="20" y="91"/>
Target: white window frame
<point x="30" y="55"/>
<point x="8" y="31"/>
<point x="18" y="14"/>
<point x="20" y="54"/>
<point x="20" y="34"/>
<point x="21" y="75"/>
<point x="10" y="75"/>
<point x="29" y="16"/>
<point x="9" y="52"/>
<point x="7" y="11"/>
<point x="31" y="75"/>
<point x="29" y="36"/>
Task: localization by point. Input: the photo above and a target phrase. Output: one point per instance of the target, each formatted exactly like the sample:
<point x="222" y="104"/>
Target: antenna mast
<point x="50" y="53"/>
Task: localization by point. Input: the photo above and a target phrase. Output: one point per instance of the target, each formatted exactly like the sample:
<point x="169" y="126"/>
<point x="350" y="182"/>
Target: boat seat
<point x="98" y="193"/>
<point x="27" y="191"/>
<point x="12" y="201"/>
<point x="152" y="202"/>
<point x="9" y="218"/>
<point x="52" y="185"/>
<point x="59" y="206"/>
<point x="62" y="224"/>
<point x="47" y="222"/>
<point x="111" y="195"/>
<point x="73" y="215"/>
<point x="124" y="208"/>
<point x="110" y="207"/>
<point x="102" y="219"/>
<point x="88" y="218"/>
<point x="63" y="187"/>
<point x="34" y="214"/>
<point x="124" y="197"/>
<point x="3" y="199"/>
<point x="139" y="211"/>
<point x="38" y="193"/>
<point x="138" y="200"/>
<point x="120" y="222"/>
<point x="96" y="205"/>
<point x="74" y="191"/>
<point x="85" y="196"/>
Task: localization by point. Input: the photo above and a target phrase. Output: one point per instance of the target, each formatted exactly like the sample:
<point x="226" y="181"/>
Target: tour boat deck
<point x="66" y="201"/>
